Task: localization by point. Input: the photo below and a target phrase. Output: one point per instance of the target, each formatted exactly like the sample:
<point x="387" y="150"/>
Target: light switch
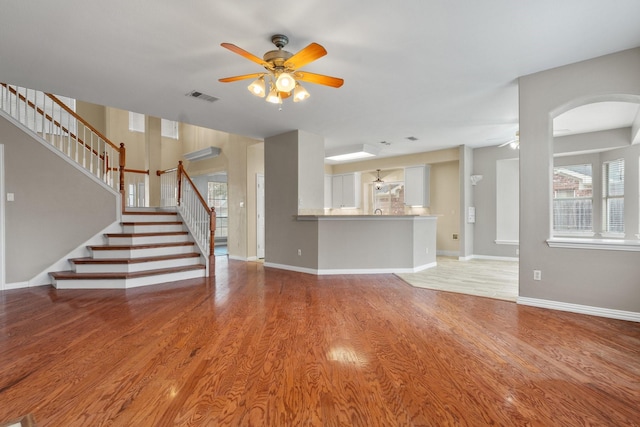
<point x="10" y="197"/>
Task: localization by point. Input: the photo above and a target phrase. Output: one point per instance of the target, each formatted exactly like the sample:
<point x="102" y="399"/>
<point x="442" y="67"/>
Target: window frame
<point x="607" y="198"/>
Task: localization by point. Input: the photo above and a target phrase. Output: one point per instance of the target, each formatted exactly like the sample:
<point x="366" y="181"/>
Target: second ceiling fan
<point x="283" y="71"/>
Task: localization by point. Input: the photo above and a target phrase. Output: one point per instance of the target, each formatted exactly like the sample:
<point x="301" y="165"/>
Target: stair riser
<point x="141" y="253"/>
<point x="146" y="240"/>
<point x="149" y="218"/>
<point x="155" y="228"/>
<point x="128" y="283"/>
<point x="135" y="267"/>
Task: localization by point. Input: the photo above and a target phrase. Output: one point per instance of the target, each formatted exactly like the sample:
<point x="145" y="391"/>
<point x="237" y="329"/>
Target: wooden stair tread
<point x="152" y="223"/>
<point x="171" y="233"/>
<point x="89" y="260"/>
<point x="70" y="275"/>
<point x="147" y="246"/>
<point x="149" y="213"/>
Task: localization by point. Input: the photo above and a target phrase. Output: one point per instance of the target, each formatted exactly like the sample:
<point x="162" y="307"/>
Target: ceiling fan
<point x="514" y="143"/>
<point x="283" y="74"/>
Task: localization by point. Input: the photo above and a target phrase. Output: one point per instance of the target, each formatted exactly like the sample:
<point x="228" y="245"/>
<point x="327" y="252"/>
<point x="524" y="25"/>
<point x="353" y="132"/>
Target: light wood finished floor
<point x="264" y="347"/>
<point x="480" y="277"/>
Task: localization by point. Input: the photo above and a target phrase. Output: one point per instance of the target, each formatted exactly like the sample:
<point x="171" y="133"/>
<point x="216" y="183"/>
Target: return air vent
<point x="202" y="96"/>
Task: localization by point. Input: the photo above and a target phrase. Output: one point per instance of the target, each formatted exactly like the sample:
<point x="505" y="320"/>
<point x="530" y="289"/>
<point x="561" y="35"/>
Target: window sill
<point x="602" y="244"/>
<point x="570" y="235"/>
<point x="507" y="242"/>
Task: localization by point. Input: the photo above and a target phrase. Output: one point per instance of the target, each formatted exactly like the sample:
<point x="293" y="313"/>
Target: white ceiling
<point x="443" y="71"/>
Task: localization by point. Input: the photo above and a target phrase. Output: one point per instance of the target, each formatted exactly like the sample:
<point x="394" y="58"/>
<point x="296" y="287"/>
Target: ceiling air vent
<point x="202" y="96"/>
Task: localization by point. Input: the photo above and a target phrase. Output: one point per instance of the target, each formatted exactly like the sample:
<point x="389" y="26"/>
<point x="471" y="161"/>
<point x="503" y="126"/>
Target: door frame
<point x="260" y="210"/>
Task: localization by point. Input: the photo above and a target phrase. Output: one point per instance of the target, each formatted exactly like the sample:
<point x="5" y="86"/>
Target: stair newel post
<point x="180" y="167"/>
<point x="122" y="161"/>
<point x="212" y="230"/>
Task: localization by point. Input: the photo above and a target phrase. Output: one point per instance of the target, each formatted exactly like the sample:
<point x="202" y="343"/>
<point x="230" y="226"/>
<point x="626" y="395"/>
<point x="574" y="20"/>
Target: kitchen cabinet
<point x="345" y="190"/>
<point x="416" y="185"/>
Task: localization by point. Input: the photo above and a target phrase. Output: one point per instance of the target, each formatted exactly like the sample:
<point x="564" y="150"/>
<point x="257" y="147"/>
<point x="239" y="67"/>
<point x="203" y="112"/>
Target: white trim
<point x="602" y="244"/>
<point x="43" y="278"/>
<point x="494" y="258"/>
<point x="582" y="309"/>
<point x="252" y="259"/>
<point x="291" y="268"/>
<point x="612" y="235"/>
<point x="238" y="258"/>
<point x="507" y="242"/>
<point x="568" y="234"/>
<point x="323" y="272"/>
<point x="16" y="285"/>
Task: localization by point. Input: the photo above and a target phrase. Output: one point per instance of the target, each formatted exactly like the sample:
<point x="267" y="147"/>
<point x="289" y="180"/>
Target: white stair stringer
<point x="153" y="247"/>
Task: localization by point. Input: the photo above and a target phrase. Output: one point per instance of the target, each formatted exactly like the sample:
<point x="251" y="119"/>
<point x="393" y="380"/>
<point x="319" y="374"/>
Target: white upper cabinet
<point x="345" y="190"/>
<point x="416" y="185"/>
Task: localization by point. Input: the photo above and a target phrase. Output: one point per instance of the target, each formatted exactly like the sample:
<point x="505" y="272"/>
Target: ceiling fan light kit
<point x="283" y="74"/>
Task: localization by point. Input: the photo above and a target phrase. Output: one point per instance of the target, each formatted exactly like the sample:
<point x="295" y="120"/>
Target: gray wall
<point x="485" y="200"/>
<point x="56" y="207"/>
<point x="599" y="278"/>
<point x="292" y="160"/>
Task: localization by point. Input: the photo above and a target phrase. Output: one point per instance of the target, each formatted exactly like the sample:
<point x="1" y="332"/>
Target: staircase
<point x="152" y="248"/>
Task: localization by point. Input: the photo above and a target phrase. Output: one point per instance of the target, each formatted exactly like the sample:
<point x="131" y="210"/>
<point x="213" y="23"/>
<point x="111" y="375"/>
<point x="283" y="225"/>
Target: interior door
<point x="260" y="216"/>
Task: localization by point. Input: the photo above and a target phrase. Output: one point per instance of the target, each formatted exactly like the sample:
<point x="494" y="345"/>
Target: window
<point x="217" y="198"/>
<point x="169" y="128"/>
<point x="573" y="199"/>
<point x="136" y="122"/>
<point x="389" y="198"/>
<point x="613" y="196"/>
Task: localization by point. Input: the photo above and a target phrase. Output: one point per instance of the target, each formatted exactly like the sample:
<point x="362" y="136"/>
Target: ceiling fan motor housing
<point x="278" y="57"/>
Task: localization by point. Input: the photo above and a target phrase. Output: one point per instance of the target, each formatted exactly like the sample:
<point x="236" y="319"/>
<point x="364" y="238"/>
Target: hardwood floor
<point x="264" y="347"/>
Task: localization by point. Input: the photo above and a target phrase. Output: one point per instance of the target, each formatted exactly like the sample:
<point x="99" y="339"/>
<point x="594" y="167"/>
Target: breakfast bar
<point x="365" y="244"/>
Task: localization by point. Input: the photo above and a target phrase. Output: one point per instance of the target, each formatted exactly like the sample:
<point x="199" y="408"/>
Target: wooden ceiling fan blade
<point x="305" y="56"/>
<point x="243" y="77"/>
<point x="250" y="56"/>
<point x="318" y="79"/>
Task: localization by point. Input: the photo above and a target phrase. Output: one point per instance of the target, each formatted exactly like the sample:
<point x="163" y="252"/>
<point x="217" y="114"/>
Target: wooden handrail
<point x="181" y="172"/>
<point x="81" y="120"/>
<point x="212" y="210"/>
<point x="58" y="124"/>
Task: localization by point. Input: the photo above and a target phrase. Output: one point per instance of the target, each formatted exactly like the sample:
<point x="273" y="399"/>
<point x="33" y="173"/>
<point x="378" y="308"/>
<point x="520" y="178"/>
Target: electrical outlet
<point x="517" y="251"/>
<point x="537" y="275"/>
<point x="427" y="249"/>
<point x="299" y="252"/>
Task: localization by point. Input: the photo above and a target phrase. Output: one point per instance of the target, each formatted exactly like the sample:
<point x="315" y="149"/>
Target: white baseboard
<point x="15" y="285"/>
<point x="491" y="258"/>
<point x="82" y="250"/>
<point x="238" y="258"/>
<point x="291" y="268"/>
<point x="326" y="272"/>
<point x="581" y="309"/>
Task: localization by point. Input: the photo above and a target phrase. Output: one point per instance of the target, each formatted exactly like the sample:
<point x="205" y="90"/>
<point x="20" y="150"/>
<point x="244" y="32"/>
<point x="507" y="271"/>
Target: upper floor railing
<point x="177" y="189"/>
<point x="44" y="114"/>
